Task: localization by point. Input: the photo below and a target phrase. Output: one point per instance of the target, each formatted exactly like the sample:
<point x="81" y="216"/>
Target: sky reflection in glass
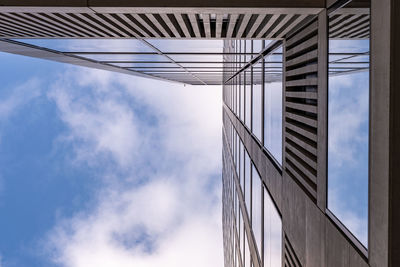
<point x="247" y="254"/>
<point x="256" y="208"/>
<point x="273" y="111"/>
<point x="242" y="166"/>
<point x="248" y="102"/>
<point x="241" y="234"/>
<point x="272" y="233"/>
<point x="247" y="186"/>
<point x="242" y="96"/>
<point x="257" y="107"/>
<point x="90" y="45"/>
<point x="348" y="113"/>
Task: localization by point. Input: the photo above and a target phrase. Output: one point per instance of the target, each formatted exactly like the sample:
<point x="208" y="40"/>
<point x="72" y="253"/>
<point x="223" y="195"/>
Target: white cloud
<point x="348" y="112"/>
<point x="98" y="125"/>
<point x="147" y="226"/>
<point x="167" y="139"/>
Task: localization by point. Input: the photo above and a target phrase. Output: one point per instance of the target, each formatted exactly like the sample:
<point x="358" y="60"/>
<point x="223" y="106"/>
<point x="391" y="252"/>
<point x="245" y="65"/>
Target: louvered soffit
<point x="20" y="25"/>
<point x="192" y="23"/>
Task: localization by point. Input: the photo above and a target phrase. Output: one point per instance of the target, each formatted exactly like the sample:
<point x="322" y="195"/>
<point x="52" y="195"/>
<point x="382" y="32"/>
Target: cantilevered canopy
<point x="197" y="62"/>
<point x="181" y="44"/>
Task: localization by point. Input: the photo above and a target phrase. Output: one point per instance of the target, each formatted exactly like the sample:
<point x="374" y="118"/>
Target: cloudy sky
<point x="104" y="169"/>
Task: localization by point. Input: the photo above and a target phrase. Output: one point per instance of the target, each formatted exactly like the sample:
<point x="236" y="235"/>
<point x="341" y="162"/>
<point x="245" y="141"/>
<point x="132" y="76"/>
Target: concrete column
<point x="384" y="205"/>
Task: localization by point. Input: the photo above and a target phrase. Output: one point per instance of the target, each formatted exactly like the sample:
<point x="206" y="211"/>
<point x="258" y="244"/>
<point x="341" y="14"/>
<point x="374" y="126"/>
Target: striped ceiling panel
<point x="350" y="23"/>
<point x="203" y="24"/>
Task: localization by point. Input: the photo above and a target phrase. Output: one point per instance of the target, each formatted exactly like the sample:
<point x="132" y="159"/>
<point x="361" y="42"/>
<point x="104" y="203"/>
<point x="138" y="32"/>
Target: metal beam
<point x="23" y="49"/>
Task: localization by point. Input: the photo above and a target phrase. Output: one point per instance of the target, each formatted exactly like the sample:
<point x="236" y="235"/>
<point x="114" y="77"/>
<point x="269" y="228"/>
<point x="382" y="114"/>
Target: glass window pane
<point x="248" y="100"/>
<point x="234" y="96"/>
<point x="256" y="208"/>
<point x="248" y="50"/>
<point x="232" y="257"/>
<point x="276" y="237"/>
<point x="197" y="58"/>
<point x="124" y="57"/>
<point x="267" y="231"/>
<point x="242" y="167"/>
<point x="257" y="98"/>
<point x="272" y="233"/>
<point x="145" y="65"/>
<point x="273" y="109"/>
<point x="238" y="148"/>
<point x="182" y="45"/>
<point x="237" y="95"/>
<point x="237" y="212"/>
<point x="195" y="64"/>
<point x="236" y="153"/>
<point x="348" y="122"/>
<point x="242" y="96"/>
<point x="257" y="46"/>
<point x="244" y="49"/>
<point x="240" y="162"/>
<point x="247" y="254"/>
<point x="241" y="235"/>
<point x="158" y="69"/>
<point x="90" y="45"/>
<point x="247" y="192"/>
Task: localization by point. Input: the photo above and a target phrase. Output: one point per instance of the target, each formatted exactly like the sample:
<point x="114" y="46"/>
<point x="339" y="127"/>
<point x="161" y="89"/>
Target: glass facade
<point x="272" y="233"/>
<point x="348" y="123"/>
<point x="260" y="213"/>
<point x="256" y="215"/>
<point x="242" y="97"/>
<point x="248" y="98"/>
<point x="186" y="61"/>
<point x="273" y="104"/>
<point x="256" y="94"/>
<point x="292" y="124"/>
<point x="241" y="236"/>
<point x="257" y="100"/>
<point x="249" y="92"/>
<point x="242" y="165"/>
<point x="247" y="256"/>
<point x="247" y="186"/>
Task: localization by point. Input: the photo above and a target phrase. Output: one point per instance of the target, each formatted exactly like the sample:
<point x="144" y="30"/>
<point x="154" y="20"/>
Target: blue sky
<point x="105" y="169"/>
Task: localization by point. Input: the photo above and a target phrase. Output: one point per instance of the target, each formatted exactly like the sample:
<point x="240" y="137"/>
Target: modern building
<point x="311" y="120"/>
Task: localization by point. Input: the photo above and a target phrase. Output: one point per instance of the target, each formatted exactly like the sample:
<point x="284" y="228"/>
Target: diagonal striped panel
<point x="300" y="104"/>
<point x="290" y="259"/>
<point x="151" y="23"/>
<point x="349" y="26"/>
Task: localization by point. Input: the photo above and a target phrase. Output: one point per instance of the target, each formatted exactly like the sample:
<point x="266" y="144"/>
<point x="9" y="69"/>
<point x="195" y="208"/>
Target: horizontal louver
<point x="301" y="94"/>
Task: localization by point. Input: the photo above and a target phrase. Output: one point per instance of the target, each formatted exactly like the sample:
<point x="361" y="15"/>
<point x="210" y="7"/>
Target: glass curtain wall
<point x="247" y="186"/>
<point x="257" y="100"/>
<point x="272" y="233"/>
<point x="256" y="213"/>
<point x="273" y="104"/>
<point x="246" y="91"/>
<point x="247" y="85"/>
